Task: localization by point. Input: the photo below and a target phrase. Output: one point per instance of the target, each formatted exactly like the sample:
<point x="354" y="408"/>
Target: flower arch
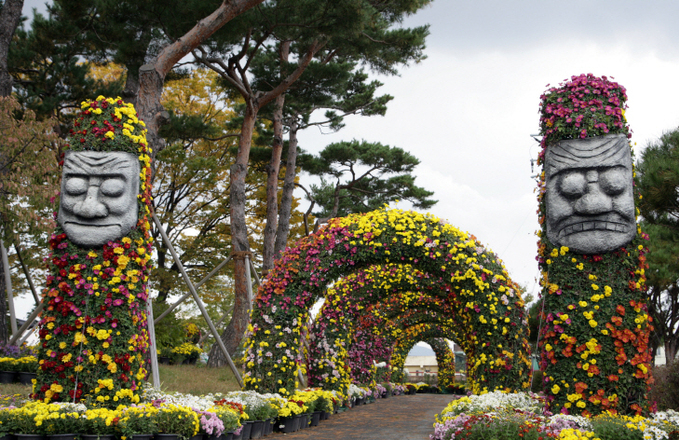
<point x="489" y="301"/>
<point x="354" y="326"/>
<point x="426" y="331"/>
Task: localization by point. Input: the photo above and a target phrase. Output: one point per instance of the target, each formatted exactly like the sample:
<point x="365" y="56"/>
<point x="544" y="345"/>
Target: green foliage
<point x="658" y="180"/>
<point x="28" y="171"/>
<point x="379" y="175"/>
<point x="605" y="426"/>
<point x="49" y="74"/>
<point x="534" y="321"/>
<point x="169" y="331"/>
<point x="536" y="385"/>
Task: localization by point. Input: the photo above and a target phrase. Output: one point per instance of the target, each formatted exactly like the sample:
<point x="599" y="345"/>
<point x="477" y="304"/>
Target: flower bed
<point x="172" y="413"/>
<point x="523" y="415"/>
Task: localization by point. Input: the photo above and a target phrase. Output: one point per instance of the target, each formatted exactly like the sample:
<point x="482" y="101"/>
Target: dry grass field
<point x="182" y="378"/>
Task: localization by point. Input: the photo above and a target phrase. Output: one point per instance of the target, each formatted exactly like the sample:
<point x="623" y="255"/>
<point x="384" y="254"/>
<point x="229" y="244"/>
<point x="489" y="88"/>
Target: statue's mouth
<point x="594" y="225"/>
<point x="610" y="222"/>
<point x="94" y="225"/>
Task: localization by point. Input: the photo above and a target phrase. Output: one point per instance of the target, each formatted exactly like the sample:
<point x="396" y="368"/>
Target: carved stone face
<point x="589" y="196"/>
<point x="98" y="196"/>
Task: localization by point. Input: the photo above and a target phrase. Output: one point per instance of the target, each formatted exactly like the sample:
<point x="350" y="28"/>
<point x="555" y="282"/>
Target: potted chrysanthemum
<point x="176" y="422"/>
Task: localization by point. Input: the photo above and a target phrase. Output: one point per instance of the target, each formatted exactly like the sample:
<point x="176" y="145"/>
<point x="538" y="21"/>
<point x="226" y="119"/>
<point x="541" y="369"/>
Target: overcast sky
<point x="468" y="110"/>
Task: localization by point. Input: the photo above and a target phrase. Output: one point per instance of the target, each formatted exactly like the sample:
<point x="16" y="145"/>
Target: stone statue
<point x="589" y="199"/>
<point x="98" y="196"/>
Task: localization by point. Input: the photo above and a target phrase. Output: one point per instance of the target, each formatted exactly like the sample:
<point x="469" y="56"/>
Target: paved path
<point x="395" y="418"/>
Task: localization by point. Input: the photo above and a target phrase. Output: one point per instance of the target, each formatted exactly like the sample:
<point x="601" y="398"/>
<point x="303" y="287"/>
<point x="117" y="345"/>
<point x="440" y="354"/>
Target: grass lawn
<point x="189" y="379"/>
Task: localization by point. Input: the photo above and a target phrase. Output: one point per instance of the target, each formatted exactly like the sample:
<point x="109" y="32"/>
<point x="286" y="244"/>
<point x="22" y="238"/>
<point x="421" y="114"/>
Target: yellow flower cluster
<point x="187" y="349"/>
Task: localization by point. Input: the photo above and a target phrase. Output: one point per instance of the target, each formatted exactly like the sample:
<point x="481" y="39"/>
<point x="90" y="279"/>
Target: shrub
<point x="665" y="391"/>
<point x="536" y="385"/>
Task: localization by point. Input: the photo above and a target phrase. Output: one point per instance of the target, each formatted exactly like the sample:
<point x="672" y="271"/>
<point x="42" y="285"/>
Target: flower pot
<point x="63" y="437"/>
<point x="166" y="437"/>
<point x="325" y="415"/>
<point x="247" y="430"/>
<point x="304" y="421"/>
<point x="270" y="426"/>
<point x="202" y="437"/>
<point x="315" y="418"/>
<point x="257" y="429"/>
<point x="142" y="436"/>
<point x="29" y="437"/>
<point x="286" y="424"/>
<point x="227" y="436"/>
<point x="96" y="437"/>
<point x="8" y="377"/>
<point x="25" y="378"/>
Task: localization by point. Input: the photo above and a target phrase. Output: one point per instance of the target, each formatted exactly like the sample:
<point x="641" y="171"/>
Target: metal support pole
<point x="248" y="277"/>
<point x="154" y="349"/>
<point x="254" y="271"/>
<point x="28" y="333"/>
<point x="8" y="283"/>
<point x="28" y="275"/>
<point x="187" y="295"/>
<point x="202" y="338"/>
<point x="199" y="302"/>
<point x="28" y="322"/>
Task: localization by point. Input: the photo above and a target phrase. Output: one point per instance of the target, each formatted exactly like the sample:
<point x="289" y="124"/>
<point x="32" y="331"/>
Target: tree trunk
<point x="240" y="243"/>
<point x="273" y="169"/>
<point x="288" y="187"/>
<point x="10" y="15"/>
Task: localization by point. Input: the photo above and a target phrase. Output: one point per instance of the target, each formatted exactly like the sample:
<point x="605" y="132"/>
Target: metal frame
<point x="8" y="285"/>
<point x="199" y="302"/>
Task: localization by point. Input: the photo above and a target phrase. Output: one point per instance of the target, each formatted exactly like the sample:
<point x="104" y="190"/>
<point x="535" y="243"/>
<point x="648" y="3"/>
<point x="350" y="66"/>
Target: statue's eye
<point x="113" y="187"/>
<point x="613" y="181"/>
<point x="75" y="186"/>
<point x="573" y="185"/>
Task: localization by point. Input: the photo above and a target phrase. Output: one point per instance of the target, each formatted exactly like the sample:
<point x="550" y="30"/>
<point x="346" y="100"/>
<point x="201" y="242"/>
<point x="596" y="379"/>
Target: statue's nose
<point x="594" y="201"/>
<point x="91" y="207"/>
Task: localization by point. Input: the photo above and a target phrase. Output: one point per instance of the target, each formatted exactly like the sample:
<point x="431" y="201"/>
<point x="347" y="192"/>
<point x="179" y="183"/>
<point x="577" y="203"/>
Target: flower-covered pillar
<point x="595" y="329"/>
<point x="93" y="334"/>
<point x="445" y="358"/>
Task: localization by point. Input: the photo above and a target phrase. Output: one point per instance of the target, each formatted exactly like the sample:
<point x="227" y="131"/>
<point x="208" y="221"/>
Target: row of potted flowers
<point x="237" y="415"/>
<point x="525" y="415"/>
<point x="21" y="369"/>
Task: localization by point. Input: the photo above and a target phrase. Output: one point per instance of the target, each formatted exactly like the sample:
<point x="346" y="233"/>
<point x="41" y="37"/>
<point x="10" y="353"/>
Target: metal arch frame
<point x="249" y="269"/>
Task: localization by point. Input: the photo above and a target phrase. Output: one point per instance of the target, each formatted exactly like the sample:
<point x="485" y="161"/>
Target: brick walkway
<point x="395" y="418"/>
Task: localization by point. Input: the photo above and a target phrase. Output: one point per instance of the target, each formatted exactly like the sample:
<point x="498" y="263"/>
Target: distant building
<point x="422" y="360"/>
